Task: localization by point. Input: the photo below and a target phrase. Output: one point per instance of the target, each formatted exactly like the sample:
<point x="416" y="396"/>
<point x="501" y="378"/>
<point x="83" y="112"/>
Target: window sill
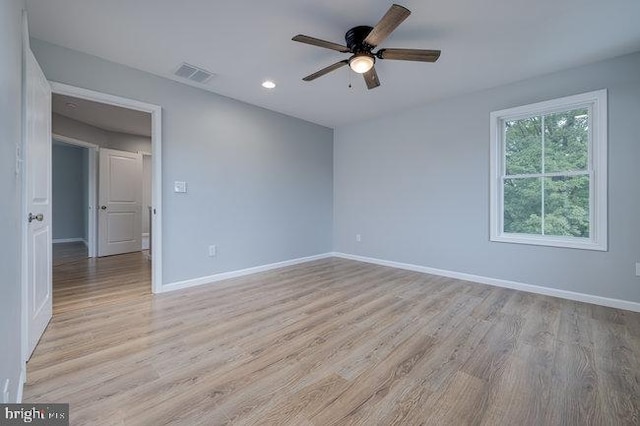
<point x="574" y="243"/>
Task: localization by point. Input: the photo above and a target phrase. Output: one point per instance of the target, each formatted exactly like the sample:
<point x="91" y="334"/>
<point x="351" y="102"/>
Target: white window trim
<point x="597" y="101"/>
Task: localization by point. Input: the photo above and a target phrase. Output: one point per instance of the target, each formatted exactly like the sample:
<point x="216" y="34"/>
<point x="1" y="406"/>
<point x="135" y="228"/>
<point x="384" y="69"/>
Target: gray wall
<point x="69" y="198"/>
<point x="415" y="185"/>
<point x="65" y="126"/>
<point x="260" y="183"/>
<point x="10" y="193"/>
<point x="127" y="142"/>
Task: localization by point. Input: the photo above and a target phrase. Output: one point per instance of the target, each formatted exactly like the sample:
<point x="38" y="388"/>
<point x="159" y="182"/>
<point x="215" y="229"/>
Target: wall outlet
<point x="213" y="250"/>
<point x="358" y="238"/>
<point x="637" y="269"/>
<point x="5" y="392"/>
<point x="179" y="186"/>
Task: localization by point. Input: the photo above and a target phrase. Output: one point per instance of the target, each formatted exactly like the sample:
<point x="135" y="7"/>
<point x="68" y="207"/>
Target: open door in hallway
<point x="120" y="194"/>
<point x="37" y="193"/>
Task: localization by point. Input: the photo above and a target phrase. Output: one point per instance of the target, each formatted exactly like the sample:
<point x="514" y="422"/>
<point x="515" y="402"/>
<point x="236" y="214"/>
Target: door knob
<point x="103" y="207"/>
<point x="39" y="217"/>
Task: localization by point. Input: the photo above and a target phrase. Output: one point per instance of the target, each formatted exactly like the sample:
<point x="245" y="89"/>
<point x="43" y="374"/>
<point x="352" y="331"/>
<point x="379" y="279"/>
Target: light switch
<point x="179" y="186"/>
<point x="18" y="159"/>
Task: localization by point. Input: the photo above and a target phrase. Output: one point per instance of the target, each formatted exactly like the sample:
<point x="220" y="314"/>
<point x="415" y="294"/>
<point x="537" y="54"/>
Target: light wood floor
<point x="330" y="342"/>
<point x="69" y="252"/>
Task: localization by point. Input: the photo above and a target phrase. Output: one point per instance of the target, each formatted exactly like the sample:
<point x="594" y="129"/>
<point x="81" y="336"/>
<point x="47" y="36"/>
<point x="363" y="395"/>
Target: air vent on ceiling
<point x="193" y="73"/>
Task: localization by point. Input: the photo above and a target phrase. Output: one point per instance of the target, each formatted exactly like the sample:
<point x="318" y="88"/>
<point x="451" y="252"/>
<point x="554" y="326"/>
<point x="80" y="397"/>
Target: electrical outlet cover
<point x="180" y="187"/>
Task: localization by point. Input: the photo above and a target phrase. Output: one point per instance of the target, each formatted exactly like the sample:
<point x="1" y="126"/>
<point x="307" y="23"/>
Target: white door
<point x="37" y="196"/>
<point x="120" y="194"/>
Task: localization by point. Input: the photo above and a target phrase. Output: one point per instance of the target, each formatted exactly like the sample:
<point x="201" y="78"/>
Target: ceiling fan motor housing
<point x="355" y="39"/>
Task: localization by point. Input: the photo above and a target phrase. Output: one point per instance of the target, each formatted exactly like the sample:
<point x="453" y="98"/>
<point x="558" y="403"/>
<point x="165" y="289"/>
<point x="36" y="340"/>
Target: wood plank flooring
<point x="69" y="252"/>
<point x="85" y="283"/>
<point x="330" y="342"/>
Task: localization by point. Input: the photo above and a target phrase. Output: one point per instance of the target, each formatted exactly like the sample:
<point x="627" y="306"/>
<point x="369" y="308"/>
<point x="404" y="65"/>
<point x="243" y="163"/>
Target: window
<point x="549" y="173"/>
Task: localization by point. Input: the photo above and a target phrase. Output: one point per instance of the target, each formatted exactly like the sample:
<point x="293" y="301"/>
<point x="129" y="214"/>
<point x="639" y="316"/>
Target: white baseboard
<point x="21" y="381"/>
<point x="239" y="273"/>
<point x="530" y="288"/>
<point x="69" y="240"/>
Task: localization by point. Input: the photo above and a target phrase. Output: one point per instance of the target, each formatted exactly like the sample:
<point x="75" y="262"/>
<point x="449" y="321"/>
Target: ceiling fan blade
<point x="321" y="43"/>
<point x="326" y="70"/>
<point x="409" y="54"/>
<point x="389" y="22"/>
<point x="371" y="78"/>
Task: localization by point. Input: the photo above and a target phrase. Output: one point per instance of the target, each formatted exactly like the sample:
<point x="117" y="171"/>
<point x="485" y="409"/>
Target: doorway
<point x="37" y="265"/>
<point x="35" y="158"/>
<point x="71" y="202"/>
<point x="149" y="210"/>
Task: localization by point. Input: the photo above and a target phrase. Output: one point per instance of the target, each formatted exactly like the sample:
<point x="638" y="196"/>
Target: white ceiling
<point x="484" y="43"/>
<point x="106" y="117"/>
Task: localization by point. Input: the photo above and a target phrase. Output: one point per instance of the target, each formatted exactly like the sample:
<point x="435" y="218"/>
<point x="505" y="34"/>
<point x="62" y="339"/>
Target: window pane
<point x="523" y="146"/>
<point x="566" y="144"/>
<point x="523" y="205"/>
<point x="566" y="206"/>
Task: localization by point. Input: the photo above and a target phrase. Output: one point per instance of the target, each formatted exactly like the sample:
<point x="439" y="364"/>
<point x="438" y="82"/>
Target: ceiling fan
<point x="362" y="40"/>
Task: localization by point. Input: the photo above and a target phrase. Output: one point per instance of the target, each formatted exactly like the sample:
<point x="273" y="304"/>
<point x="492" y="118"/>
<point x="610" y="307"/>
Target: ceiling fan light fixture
<point x="361" y="62"/>
<point x="361" y="40"/>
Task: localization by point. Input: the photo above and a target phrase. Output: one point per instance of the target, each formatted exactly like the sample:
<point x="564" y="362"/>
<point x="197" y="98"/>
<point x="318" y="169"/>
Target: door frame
<point x="156" y="163"/>
<point x="92" y="229"/>
<point x="144" y="210"/>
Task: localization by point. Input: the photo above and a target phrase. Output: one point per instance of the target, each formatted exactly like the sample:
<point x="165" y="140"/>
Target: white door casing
<point x="37" y="205"/>
<point x="120" y="206"/>
<point x="156" y="150"/>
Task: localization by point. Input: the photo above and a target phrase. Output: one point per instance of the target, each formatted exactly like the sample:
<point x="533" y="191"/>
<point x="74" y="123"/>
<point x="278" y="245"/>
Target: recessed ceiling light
<point x="71" y="105"/>
<point x="268" y="84"/>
